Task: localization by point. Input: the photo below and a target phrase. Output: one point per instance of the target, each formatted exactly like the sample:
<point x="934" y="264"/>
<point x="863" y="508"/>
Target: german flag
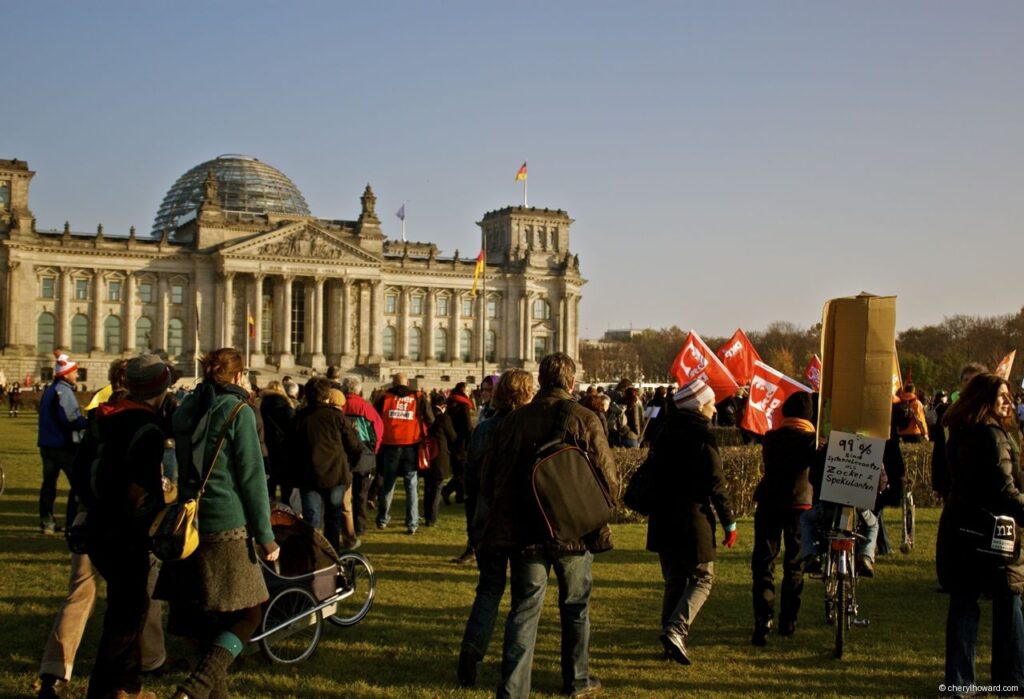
<point x="251" y="322"/>
<point x="521" y="175"/>
<point x="479" y="271"/>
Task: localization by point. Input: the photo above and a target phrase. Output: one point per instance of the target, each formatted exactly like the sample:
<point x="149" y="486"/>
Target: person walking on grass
<point x="370" y="428"/>
<point x="509" y="528"/>
<point x="681" y="527"/>
<point x="60" y="430"/>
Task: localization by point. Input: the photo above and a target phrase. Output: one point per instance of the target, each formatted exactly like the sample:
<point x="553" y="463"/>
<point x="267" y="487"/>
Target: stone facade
<point x="317" y="291"/>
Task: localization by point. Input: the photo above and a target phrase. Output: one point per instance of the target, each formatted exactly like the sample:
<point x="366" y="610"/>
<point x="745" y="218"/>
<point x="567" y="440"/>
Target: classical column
<point x="129" y="314"/>
<point x="227" y="308"/>
<point x="317" y="357"/>
<point x="376" y="311"/>
<point x="563" y="326"/>
<point x="284" y="325"/>
<point x="403" y="325"/>
<point x="96" y="336"/>
<point x="455" y="334"/>
<point x="475" y="347"/>
<point x="256" y="309"/>
<point x="159" y="339"/>
<point x="193" y="338"/>
<point x="13" y="302"/>
<point x="64" y="309"/>
<point x="346" y="322"/>
<point x="428" y="328"/>
<point x="574" y="327"/>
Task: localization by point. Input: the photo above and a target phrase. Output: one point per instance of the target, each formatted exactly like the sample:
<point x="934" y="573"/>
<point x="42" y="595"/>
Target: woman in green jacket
<point x="216" y="593"/>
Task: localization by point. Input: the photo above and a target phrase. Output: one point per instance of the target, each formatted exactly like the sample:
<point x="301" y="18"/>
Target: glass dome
<point x="243" y="184"/>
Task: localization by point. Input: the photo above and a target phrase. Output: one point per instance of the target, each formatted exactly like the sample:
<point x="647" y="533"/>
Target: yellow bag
<point x="174" y="534"/>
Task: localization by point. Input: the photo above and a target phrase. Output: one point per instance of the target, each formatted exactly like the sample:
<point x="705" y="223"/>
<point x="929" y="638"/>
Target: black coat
<point x="323" y="445"/>
<point x="444" y="434"/>
<point x="788" y="454"/>
<point x="692" y="485"/>
<point x="985" y="474"/>
<point x="277" y="413"/>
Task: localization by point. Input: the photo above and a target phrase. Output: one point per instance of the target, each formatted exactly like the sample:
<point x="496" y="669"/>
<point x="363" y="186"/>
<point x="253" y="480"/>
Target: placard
<point x="651" y="411"/>
<point x="853" y="467"/>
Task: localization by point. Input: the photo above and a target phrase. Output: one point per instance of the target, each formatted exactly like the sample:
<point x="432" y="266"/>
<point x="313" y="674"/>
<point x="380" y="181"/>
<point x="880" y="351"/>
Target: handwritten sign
<point x="853" y="466"/>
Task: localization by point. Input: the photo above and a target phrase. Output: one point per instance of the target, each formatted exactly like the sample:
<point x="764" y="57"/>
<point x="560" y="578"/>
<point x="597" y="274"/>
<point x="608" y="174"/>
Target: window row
<point x="82" y="290"/>
<point x="414" y="339"/>
<point x="145" y="341"/>
<point x="442" y="306"/>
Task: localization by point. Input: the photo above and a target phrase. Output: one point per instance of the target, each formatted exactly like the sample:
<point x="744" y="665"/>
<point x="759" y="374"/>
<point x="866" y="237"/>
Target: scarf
<point x="796" y="423"/>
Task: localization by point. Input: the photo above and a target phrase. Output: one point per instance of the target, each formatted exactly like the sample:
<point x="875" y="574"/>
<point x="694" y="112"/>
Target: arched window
<point x="46" y="333"/>
<point x="465" y="344"/>
<point x="415" y="344"/>
<point x="390" y="340"/>
<point x="112" y="335"/>
<point x="441" y="344"/>
<point x="175" y="337"/>
<point x="144" y="335"/>
<point x="541" y="310"/>
<point x="491" y="346"/>
<point x="80" y="333"/>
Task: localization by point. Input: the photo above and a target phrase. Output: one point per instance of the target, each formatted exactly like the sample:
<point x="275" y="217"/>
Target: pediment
<point x="301" y="241"/>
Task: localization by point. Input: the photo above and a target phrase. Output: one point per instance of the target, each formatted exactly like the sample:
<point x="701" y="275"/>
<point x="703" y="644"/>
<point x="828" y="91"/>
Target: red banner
<point x="769" y="389"/>
<point x="739" y="355"/>
<point x="812" y="374"/>
<point x="697" y="361"/>
<point x="1003" y="370"/>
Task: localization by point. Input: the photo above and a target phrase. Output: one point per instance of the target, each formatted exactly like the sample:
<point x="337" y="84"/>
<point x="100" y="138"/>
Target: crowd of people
<point x="336" y="457"/>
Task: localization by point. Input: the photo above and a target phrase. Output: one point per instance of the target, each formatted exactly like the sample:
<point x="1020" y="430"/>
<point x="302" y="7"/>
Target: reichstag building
<point x="235" y="256"/>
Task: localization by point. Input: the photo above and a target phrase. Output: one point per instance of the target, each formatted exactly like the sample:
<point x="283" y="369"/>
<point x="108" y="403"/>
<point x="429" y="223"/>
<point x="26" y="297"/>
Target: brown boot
<point x="208" y="676"/>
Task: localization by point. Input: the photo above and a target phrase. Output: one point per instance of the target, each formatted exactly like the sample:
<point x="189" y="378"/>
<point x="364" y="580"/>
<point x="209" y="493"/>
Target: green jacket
<point x="236" y="494"/>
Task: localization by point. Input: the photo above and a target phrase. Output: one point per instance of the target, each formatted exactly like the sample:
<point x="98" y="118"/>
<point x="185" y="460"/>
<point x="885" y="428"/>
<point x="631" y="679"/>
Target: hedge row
<point x="742" y="465"/>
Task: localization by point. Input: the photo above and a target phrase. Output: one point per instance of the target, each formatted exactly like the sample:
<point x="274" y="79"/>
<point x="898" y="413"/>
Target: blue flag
<point x="401" y="213"/>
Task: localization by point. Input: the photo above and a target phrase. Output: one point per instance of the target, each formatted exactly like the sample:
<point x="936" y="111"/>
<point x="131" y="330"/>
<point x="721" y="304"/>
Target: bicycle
<point x="840" y="577"/>
<point x="908" y="521"/>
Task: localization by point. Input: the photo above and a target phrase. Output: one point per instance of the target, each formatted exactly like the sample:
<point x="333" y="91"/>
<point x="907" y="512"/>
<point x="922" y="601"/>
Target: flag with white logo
<point x="696" y="361"/>
<point x="769" y="389"/>
<point x="738" y="355"/>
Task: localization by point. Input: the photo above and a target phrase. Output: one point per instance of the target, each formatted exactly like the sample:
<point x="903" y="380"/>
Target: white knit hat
<point x="64" y="365"/>
<point x="693" y="396"/>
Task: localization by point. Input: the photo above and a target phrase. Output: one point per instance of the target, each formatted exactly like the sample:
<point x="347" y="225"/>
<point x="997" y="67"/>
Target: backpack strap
<point x="561" y="431"/>
<point x="220" y="444"/>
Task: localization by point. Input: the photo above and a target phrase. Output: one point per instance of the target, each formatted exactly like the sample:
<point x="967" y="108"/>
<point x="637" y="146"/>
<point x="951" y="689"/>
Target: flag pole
<point x="248" y="332"/>
<point x="403" y="221"/>
<point x="483" y="309"/>
<point x="525" y="180"/>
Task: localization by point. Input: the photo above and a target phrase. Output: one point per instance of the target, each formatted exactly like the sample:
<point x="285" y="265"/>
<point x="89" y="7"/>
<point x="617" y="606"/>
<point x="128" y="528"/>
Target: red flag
<point x="812" y="374"/>
<point x="697" y="361"/>
<point x="739" y="355"/>
<point x="1003" y="370"/>
<point x="769" y="389"/>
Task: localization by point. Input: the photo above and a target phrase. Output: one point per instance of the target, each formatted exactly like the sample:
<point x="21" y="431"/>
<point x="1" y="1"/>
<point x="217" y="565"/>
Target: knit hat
<point x="335" y="398"/>
<point x="693" y="396"/>
<point x="64" y="365"/>
<point x="147" y="376"/>
<point x="800" y="404"/>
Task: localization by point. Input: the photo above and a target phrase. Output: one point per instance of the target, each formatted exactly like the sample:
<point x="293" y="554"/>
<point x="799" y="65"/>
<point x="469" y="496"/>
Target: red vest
<point x="402" y="425"/>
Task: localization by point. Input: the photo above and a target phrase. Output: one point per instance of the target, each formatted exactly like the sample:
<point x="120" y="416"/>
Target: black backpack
<point x="904" y="414"/>
<point x="569" y="492"/>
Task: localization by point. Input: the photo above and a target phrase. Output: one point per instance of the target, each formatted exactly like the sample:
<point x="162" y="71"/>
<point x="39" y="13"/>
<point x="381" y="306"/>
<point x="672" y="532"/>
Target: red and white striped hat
<point x="693" y="396"/>
<point x="64" y="365"/>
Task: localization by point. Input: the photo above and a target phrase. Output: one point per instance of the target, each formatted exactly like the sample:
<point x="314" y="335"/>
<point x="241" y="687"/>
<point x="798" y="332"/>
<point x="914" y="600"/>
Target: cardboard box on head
<point x="858" y="349"/>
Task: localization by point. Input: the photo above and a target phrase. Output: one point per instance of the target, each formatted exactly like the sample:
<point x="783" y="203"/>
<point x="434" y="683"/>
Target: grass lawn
<point x="408" y="645"/>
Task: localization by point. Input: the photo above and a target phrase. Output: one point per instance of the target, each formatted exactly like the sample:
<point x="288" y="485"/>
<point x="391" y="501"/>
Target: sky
<point x="727" y="164"/>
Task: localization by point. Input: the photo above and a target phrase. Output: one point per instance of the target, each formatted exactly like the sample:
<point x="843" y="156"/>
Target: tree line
<point x="931" y="355"/>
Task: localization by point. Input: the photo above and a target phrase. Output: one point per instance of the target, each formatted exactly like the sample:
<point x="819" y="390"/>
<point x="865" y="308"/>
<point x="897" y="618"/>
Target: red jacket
<point x="356" y="406"/>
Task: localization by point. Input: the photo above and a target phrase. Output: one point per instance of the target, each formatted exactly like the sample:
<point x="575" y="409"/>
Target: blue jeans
<point x="54" y="461"/>
<point x="315" y="511"/>
<point x="1007" y="638"/>
<point x="866" y="546"/>
<point x="392" y="462"/>
<point x="493" y="568"/>
<point x="529" y="582"/>
<point x="822" y="513"/>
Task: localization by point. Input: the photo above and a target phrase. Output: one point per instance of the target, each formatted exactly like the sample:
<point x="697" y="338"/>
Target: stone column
<point x="346" y="322"/>
<point x="475" y="347"/>
<point x="192" y="342"/>
<point x="428" y="328"/>
<point x="13" y="303"/>
<point x="96" y="334"/>
<point x="403" y="325"/>
<point x="129" y="315"/>
<point x="563" y="325"/>
<point x="376" y="327"/>
<point x="285" y="358"/>
<point x="159" y="339"/>
<point x="455" y="333"/>
<point x="256" y="308"/>
<point x="64" y="309"/>
<point x="317" y="357"/>
<point x="227" y="308"/>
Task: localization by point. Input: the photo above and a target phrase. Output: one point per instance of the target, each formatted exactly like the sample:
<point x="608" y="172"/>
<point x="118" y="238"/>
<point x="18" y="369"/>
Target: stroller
<point x="308" y="582"/>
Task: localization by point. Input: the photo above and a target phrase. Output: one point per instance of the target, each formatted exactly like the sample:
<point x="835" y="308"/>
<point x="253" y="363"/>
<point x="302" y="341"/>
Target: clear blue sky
<point x="727" y="164"/>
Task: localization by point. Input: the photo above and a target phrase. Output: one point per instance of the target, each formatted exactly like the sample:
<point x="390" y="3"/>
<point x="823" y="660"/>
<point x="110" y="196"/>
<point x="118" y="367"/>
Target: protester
<point x="940" y="469"/>
<point x="514" y="389"/>
<point x="634" y="412"/>
<point x="14" y="401"/>
<point x="122" y="489"/>
<point x="984" y="463"/>
<point x="442" y="432"/>
<point x="503" y="474"/>
<point x="370" y="428"/>
<point x="485" y="407"/>
<point x="681" y="527"/>
<point x="215" y="594"/>
<point x="460" y="410"/>
<point x="783" y="493"/>
<point x="407" y="416"/>
<point x="60" y="430"/>
<point x="278" y="414"/>
<point x="913" y="425"/>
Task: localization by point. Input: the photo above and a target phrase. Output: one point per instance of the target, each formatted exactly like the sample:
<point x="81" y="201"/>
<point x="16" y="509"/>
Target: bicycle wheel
<point x="298" y="627"/>
<point x="357" y="586"/>
<point x="842" y="613"/>
<point x="830" y="589"/>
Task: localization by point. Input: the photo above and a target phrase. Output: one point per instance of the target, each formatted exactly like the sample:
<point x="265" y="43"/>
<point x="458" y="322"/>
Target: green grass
<point x="408" y="645"/>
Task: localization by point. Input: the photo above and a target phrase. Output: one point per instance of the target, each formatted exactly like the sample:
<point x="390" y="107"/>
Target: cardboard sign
<point x="853" y="467"/>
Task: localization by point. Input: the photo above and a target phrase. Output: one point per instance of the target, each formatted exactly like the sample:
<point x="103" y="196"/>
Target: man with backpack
<point x="60" y="429"/>
<point x="515" y="526"/>
<point x="911" y="420"/>
<point x="370" y="428"/>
